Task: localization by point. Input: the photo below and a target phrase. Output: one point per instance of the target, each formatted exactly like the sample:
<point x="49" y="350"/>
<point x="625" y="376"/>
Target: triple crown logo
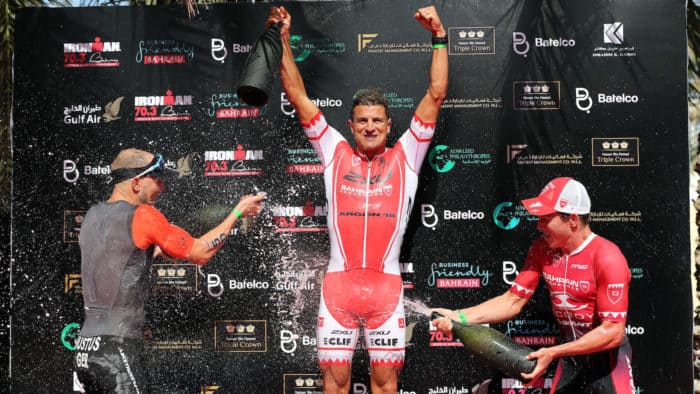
<point x="363" y="39"/>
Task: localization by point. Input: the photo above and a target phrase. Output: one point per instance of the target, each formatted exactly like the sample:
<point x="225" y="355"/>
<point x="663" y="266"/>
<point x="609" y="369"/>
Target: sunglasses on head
<point x="157" y="164"/>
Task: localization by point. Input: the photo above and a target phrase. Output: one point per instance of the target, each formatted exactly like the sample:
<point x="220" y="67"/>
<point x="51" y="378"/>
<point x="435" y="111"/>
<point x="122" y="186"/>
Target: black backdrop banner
<point x="595" y="90"/>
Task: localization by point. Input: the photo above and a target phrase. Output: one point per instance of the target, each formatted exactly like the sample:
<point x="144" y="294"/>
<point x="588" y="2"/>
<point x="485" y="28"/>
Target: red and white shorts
<point x="367" y="298"/>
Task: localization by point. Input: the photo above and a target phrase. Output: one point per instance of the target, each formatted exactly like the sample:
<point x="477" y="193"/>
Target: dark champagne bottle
<point x="261" y="67"/>
<point x="211" y="215"/>
<point x="495" y="348"/>
<point x="206" y="218"/>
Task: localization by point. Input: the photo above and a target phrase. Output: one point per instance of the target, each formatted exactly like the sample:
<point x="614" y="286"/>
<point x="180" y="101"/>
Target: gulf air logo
<point x="363" y="39"/>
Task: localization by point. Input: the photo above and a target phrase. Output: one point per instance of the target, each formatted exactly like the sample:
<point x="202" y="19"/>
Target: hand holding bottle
<point x="543" y="356"/>
<point x="443" y="322"/>
<point x="493" y="347"/>
<point x="251" y="204"/>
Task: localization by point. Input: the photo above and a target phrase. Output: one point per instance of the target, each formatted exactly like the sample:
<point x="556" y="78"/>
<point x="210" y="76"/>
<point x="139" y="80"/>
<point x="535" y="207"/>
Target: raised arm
<point x="206" y="246"/>
<point x="429" y="105"/>
<point x="292" y="83"/>
<point x="150" y="227"/>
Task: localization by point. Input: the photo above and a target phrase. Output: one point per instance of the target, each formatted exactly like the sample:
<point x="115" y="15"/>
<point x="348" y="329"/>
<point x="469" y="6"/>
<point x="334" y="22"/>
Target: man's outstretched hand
<point x="280" y="14"/>
<point x="429" y="18"/>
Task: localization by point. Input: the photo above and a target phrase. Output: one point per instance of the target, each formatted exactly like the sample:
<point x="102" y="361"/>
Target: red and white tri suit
<point x="369" y="203"/>
<point x="587" y="286"/>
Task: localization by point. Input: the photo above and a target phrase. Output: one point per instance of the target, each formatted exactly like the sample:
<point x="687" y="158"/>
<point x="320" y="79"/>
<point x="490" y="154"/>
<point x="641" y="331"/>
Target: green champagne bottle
<point x="495" y="348"/>
<point x="206" y="218"/>
<point x="211" y="215"/>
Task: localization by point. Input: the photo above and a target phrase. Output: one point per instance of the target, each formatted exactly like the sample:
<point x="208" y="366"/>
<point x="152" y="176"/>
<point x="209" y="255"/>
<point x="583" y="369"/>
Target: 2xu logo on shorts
<point x="584" y="101"/>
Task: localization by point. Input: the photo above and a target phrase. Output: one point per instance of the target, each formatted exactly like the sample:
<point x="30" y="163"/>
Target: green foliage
<point x="7" y="30"/>
<point x="693" y="53"/>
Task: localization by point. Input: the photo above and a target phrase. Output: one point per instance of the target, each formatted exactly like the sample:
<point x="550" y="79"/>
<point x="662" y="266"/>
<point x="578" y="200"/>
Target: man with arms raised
<point x="370" y="191"/>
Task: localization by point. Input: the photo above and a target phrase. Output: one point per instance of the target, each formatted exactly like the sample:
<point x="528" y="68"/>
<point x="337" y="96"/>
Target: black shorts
<point x="606" y="372"/>
<point x="108" y="364"/>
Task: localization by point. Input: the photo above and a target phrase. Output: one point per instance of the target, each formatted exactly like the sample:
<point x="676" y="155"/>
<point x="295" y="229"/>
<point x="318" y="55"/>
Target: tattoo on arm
<point x="216" y="241"/>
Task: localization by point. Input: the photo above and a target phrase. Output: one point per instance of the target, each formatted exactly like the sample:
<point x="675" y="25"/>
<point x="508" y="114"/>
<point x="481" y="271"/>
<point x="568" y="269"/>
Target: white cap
<point x="564" y="195"/>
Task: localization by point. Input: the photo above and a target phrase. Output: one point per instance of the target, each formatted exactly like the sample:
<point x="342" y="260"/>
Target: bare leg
<point x="336" y="379"/>
<point x="384" y="379"/>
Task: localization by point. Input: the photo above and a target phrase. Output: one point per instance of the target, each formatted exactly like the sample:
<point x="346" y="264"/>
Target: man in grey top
<point x="118" y="240"/>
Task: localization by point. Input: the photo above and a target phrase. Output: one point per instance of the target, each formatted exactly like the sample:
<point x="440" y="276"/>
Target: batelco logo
<point x="430" y="219"/>
<point x="219" y="51"/>
<point x="584" y="101"/>
<point x="521" y="46"/>
<point x="288" y="109"/>
<point x="214" y="286"/>
<point x="71" y="172"/>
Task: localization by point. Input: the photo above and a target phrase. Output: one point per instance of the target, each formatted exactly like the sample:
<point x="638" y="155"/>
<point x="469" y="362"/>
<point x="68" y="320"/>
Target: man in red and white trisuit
<point x="370" y="191"/>
<point x="588" y="281"/>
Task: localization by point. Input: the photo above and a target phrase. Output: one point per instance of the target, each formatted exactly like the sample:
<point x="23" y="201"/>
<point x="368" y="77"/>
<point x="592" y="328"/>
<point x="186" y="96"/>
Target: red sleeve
<point x="613" y="277"/>
<point x="528" y="278"/>
<point x="151" y="227"/>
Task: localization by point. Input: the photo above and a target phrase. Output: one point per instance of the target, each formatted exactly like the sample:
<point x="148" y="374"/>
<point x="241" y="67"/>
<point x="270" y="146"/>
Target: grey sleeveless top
<point x="115" y="273"/>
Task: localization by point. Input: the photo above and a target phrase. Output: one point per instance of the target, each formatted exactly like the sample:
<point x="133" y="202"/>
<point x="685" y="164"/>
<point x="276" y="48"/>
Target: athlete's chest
<point x="571" y="274"/>
<point x="379" y="180"/>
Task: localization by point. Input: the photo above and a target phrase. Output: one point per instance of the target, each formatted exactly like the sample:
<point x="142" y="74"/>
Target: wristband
<point x="237" y="213"/>
<point x="438" y="46"/>
<point x="439" y="41"/>
<point x="462" y="318"/>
